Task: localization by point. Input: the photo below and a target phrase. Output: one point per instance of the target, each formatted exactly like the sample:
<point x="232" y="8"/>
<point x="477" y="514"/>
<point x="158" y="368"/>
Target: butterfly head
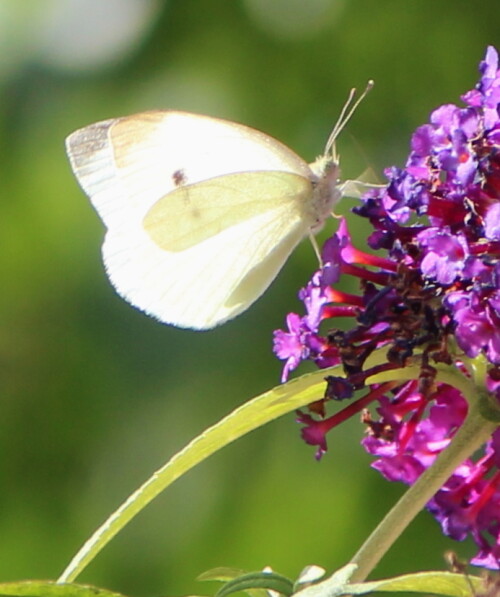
<point x="326" y="169"/>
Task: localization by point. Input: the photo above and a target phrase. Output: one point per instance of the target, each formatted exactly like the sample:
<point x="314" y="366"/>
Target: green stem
<point x="474" y="432"/>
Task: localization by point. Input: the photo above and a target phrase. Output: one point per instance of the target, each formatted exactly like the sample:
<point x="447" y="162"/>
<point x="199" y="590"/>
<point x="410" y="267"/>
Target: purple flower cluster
<point x="433" y="298"/>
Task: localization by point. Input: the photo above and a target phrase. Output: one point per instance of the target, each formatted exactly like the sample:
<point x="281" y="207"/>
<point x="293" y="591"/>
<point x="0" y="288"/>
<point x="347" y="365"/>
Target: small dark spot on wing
<point x="179" y="177"/>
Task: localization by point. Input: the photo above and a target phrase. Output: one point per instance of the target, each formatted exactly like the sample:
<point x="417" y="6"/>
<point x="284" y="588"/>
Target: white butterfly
<point x="201" y="213"/>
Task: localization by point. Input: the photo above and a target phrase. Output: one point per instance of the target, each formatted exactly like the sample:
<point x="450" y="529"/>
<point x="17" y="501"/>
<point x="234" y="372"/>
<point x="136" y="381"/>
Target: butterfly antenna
<point x="347" y="111"/>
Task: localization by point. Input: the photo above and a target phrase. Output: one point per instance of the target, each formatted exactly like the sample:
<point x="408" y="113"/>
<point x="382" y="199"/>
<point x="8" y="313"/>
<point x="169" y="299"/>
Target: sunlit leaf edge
<point x="449" y="584"/>
<point x="42" y="588"/>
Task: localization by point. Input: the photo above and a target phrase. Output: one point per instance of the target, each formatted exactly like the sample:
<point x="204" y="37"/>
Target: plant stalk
<point x="473" y="433"/>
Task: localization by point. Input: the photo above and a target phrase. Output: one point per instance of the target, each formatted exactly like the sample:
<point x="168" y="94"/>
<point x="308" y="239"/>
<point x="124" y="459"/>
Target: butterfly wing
<point x="201" y="213"/>
<point x="197" y="281"/>
<point x="127" y="164"/>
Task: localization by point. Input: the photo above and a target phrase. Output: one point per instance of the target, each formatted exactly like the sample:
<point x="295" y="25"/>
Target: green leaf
<point x="308" y="576"/>
<point x="333" y="586"/>
<point x="270" y="581"/>
<point x="38" y="588"/>
<point x="253" y="414"/>
<point x="444" y="584"/>
<point x="222" y="573"/>
<point x="447" y="584"/>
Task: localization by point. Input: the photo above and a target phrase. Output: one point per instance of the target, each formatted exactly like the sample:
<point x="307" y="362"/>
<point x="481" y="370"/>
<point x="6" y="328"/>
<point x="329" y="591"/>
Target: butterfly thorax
<point x="327" y="191"/>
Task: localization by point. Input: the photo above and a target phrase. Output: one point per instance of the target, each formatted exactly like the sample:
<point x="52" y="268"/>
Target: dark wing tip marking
<point x="86" y="141"/>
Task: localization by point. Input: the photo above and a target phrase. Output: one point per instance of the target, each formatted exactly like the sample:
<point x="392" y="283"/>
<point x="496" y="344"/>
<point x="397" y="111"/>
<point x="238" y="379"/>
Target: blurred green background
<point x="95" y="395"/>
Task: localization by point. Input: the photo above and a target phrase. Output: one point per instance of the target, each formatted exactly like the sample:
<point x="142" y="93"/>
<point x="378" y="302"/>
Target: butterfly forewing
<point x="127" y="164"/>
